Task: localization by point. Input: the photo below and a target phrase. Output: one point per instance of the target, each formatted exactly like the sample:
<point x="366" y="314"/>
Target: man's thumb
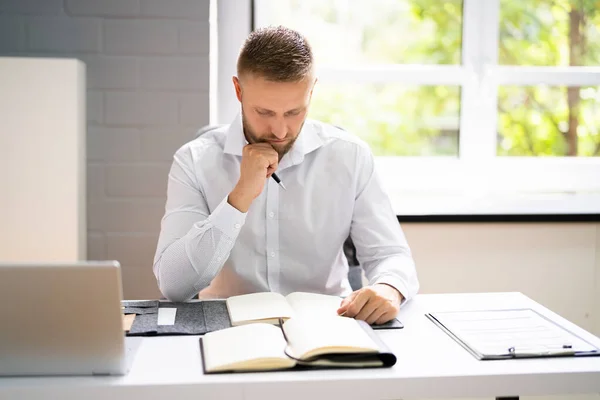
<point x="345" y="303"/>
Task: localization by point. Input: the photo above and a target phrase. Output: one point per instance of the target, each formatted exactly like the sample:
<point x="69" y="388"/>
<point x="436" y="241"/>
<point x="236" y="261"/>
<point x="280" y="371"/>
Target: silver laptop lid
<point x="61" y="319"/>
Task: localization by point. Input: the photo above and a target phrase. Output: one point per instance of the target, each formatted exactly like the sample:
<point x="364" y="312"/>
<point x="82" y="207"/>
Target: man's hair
<point x="277" y="54"/>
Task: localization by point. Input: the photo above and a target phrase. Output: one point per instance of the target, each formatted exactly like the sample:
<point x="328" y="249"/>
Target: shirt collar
<point x="235" y="141"/>
<point x="309" y="139"/>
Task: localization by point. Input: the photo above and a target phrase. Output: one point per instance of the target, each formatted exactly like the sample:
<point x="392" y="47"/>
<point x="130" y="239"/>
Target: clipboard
<point x="511" y="334"/>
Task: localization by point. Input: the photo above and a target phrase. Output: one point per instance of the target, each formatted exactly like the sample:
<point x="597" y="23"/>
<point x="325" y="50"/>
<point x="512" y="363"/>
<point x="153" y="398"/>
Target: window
<point x="394" y="114"/>
<point x="404" y="120"/>
<point x="463" y="94"/>
<point x="547" y="120"/>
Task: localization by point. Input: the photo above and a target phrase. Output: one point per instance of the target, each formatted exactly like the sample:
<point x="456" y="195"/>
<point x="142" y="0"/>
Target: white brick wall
<point x="185" y="74"/>
<point x="95" y="187"/>
<point x="136" y="180"/>
<point x="193" y="109"/>
<point x="137" y="108"/>
<point x="189" y="32"/>
<point x="148" y="81"/>
<point x="35" y="7"/>
<point x="12" y="33"/>
<point x="159" y="144"/>
<point x="121" y="215"/>
<point x="127" y="246"/>
<point x="96" y="245"/>
<point x="141" y="37"/>
<point x="63" y="34"/>
<point x="108" y="72"/>
<point x="95" y="107"/>
<point x="106" y="8"/>
<point x="113" y="144"/>
<point x="189" y="9"/>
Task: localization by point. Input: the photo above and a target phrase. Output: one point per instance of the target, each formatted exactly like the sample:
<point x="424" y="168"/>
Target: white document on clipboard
<point x="505" y="334"/>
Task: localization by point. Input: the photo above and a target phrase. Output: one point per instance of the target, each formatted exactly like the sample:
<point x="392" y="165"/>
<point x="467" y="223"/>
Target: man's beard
<point x="252" y="137"/>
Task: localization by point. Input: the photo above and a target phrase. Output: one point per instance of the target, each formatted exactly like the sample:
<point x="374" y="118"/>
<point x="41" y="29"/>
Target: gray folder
<point x="191" y="318"/>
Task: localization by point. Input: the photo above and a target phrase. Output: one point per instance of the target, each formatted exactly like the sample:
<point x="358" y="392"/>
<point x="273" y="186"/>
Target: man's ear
<point x="238" y="88"/>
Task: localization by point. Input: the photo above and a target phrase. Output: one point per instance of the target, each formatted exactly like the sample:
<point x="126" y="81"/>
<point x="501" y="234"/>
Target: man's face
<point x="273" y="112"/>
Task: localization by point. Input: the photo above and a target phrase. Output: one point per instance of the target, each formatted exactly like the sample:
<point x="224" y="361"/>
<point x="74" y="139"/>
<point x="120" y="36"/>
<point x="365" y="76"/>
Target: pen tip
<point x="282" y="185"/>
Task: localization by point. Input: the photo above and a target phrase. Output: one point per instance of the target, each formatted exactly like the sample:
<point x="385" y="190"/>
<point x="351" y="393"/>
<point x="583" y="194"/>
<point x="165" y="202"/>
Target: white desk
<point x="430" y="365"/>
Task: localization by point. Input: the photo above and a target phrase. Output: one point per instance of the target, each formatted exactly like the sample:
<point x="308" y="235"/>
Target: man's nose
<point x="279" y="129"/>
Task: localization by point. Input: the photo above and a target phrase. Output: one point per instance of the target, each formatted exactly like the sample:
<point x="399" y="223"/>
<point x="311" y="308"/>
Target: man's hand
<point x="377" y="304"/>
<point x="259" y="161"/>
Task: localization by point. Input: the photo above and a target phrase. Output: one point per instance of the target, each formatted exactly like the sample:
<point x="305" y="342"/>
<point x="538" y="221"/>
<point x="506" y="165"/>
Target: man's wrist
<point x="238" y="201"/>
<point x="397" y="293"/>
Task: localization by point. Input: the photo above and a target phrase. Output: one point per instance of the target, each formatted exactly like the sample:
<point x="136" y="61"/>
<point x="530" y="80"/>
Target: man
<point x="230" y="229"/>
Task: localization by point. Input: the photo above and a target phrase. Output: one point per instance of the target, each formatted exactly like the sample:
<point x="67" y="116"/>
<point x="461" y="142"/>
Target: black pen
<point x="274" y="176"/>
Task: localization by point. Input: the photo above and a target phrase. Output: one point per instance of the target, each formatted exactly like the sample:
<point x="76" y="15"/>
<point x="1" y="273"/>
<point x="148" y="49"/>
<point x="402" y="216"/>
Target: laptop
<point x="62" y="319"/>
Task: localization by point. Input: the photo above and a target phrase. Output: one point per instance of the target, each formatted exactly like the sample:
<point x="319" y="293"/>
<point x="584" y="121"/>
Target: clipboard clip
<point x="566" y="349"/>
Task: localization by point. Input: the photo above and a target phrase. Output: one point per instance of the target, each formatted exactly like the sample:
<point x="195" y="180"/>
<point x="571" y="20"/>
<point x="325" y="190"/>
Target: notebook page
<point x="256" y="306"/>
<point x="244" y="344"/>
<point x="306" y="335"/>
<point x="313" y="305"/>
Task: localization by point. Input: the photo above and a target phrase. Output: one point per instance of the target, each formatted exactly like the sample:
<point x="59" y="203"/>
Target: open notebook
<point x="333" y="342"/>
<point x="269" y="307"/>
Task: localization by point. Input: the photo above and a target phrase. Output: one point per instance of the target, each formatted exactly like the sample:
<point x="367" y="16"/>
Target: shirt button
<point x="272" y="254"/>
<point x="237" y="226"/>
<point x="271" y="214"/>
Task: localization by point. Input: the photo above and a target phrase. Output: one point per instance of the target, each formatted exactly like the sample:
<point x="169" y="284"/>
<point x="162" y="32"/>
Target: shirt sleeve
<point x="193" y="244"/>
<point x="381" y="246"/>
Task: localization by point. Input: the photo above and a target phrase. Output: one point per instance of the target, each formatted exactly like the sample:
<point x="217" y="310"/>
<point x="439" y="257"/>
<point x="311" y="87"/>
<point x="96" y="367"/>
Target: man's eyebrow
<point x="264" y="110"/>
<point x="295" y="110"/>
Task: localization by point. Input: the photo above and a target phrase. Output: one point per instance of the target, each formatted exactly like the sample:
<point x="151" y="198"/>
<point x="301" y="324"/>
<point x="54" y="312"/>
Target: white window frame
<point x="477" y="169"/>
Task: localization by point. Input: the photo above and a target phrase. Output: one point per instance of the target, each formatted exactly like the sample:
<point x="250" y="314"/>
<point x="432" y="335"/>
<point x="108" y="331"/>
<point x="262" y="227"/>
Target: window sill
<point x="497" y="207"/>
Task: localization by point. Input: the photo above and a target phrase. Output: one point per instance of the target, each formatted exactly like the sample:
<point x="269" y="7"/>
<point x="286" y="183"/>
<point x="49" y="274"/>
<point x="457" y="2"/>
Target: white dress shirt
<point x="288" y="240"/>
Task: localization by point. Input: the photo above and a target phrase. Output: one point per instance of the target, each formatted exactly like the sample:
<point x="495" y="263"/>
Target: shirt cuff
<point x="396" y="284"/>
<point x="227" y="219"/>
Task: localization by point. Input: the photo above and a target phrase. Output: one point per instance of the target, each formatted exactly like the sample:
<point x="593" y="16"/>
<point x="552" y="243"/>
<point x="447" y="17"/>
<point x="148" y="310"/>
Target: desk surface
<point x="430" y="365"/>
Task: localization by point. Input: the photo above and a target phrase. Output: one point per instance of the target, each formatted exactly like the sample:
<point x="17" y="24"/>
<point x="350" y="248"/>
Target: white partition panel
<point x="42" y="159"/>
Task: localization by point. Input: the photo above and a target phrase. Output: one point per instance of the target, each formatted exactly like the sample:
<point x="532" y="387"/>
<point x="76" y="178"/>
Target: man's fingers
<point x="265" y="151"/>
<point x="369" y="308"/>
<point x="345" y="303"/>
<point x="264" y="148"/>
<point x="386" y="317"/>
<point x="357" y="303"/>
<point x="375" y="315"/>
<point x="369" y="305"/>
<point x="271" y="160"/>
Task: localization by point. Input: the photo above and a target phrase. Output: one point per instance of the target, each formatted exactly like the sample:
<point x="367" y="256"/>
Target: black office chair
<point x="354" y="272"/>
